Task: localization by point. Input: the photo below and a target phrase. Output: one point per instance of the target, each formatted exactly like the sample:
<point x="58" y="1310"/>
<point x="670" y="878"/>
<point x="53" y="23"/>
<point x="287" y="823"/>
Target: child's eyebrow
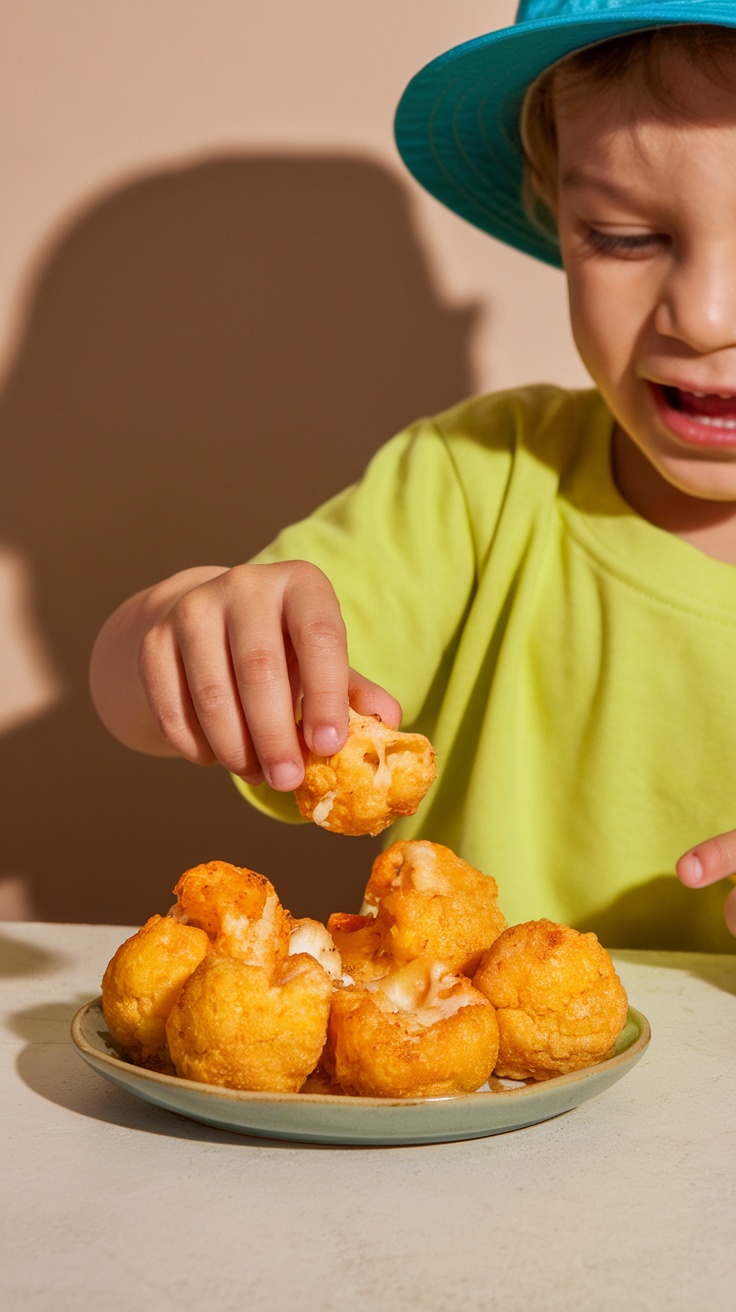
<point x="577" y="179"/>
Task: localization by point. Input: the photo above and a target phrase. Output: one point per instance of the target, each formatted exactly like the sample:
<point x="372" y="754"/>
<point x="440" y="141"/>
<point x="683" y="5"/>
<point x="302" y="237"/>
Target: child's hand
<point x="212" y="663"/>
<point x="709" y="861"/>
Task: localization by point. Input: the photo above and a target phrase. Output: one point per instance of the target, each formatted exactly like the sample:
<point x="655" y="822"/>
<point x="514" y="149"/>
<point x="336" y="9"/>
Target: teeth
<point x="711" y="422"/>
<point x="722" y="396"/>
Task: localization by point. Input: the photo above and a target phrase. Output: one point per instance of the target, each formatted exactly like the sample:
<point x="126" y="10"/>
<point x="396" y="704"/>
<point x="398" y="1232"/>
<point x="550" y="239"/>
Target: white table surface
<point x="627" y="1202"/>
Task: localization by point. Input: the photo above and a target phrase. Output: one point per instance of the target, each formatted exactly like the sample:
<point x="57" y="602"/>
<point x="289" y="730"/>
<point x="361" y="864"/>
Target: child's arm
<point x="709" y="861"/>
<point x="210" y="664"/>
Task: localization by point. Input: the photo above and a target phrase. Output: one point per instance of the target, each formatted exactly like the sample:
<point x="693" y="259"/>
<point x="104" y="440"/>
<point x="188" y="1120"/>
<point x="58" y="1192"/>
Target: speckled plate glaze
<point x="320" y="1116"/>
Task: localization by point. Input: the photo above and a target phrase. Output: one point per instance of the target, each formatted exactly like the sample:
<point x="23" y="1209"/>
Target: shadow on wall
<point x="209" y="353"/>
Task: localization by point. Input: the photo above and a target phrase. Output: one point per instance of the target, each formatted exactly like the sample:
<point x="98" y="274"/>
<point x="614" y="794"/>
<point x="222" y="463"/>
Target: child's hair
<point x="642" y="56"/>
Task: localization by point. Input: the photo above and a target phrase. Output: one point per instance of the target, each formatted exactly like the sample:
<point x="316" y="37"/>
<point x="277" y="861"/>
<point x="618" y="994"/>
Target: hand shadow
<point x="208" y="353"/>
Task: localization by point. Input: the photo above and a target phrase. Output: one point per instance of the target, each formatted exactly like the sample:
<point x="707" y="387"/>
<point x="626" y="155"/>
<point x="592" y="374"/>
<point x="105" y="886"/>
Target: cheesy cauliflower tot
<point x="428" y="900"/>
<point x="559" y="1002"/>
<point x="241" y="1026"/>
<point x="425" y="994"/>
<point x="238" y="909"/>
<point x="419" y="1032"/>
<point x="379" y="775"/>
<point x="142" y="982"/>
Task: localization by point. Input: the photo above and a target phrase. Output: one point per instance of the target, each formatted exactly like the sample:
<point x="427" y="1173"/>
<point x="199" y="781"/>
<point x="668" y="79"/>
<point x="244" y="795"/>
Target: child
<point x="544" y="579"/>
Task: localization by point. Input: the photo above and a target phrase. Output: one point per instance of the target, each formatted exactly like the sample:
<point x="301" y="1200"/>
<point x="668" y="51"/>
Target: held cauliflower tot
<point x="237" y="1025"/>
<point x="420" y="1032"/>
<point x="377" y="776"/>
<point x="142" y="982"/>
<point x="428" y="900"/>
<point x="238" y="909"/>
<point x="559" y="1002"/>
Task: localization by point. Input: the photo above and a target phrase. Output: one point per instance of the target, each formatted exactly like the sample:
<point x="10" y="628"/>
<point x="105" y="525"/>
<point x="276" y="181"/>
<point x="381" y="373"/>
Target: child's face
<point x="647" y="221"/>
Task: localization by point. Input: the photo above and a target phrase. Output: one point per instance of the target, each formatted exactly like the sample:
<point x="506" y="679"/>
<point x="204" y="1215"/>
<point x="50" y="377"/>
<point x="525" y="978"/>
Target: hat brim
<point x="457" y="124"/>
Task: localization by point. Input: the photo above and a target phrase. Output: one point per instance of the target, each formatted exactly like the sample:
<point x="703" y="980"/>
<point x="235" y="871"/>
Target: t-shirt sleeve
<point x="400" y="552"/>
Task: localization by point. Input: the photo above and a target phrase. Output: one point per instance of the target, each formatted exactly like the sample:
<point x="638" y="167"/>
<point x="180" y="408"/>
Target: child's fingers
<point x="368" y="698"/>
<point x="164" y="682"/>
<point x="264" y="692"/>
<point x="188" y="677"/>
<point x="711" y="860"/>
<point x="317" y="634"/>
<point x="224" y="667"/>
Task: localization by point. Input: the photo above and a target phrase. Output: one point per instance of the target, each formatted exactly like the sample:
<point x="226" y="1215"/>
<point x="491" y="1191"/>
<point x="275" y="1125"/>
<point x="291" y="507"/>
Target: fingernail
<point x="285" y="775"/>
<point x="693" y="868"/>
<point x="325" y="738"/>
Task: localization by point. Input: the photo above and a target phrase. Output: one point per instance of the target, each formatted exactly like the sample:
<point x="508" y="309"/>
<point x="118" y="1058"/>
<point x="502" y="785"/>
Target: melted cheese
<point x="424" y="989"/>
<point x="323" y="808"/>
<point x="383" y="776"/>
<point x="419" y="870"/>
<point x="313" y="938"/>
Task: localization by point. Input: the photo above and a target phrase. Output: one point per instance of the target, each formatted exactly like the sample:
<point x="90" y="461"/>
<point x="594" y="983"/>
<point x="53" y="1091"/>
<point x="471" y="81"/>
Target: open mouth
<point x="715" y="410"/>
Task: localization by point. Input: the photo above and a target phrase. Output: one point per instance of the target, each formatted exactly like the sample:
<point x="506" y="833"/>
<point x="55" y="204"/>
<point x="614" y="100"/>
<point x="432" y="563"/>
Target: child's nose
<point x="697" y="302"/>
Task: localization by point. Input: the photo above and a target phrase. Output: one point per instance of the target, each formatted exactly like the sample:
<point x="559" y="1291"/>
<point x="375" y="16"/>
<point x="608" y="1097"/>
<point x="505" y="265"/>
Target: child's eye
<point x="629" y="246"/>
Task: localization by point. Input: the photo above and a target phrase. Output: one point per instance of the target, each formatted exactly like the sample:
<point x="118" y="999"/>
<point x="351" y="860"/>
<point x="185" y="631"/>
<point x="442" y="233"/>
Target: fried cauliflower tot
<point x="559" y="1002"/>
<point x="428" y="900"/>
<point x="420" y="1032"/>
<point x="358" y="940"/>
<point x="239" y="1026"/>
<point x="238" y="909"/>
<point x="379" y="775"/>
<point x="142" y="982"/>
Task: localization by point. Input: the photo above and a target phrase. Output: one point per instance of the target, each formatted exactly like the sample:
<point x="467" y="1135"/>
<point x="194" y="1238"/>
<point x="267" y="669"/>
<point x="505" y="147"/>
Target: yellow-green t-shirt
<point x="574" y="666"/>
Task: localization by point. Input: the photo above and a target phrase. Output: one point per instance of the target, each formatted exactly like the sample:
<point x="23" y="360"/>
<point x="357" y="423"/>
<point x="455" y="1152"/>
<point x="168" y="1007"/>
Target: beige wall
<point x="218" y="295"/>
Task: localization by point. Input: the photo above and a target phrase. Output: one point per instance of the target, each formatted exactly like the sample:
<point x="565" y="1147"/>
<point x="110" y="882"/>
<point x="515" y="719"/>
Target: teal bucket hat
<point x="457" y="124"/>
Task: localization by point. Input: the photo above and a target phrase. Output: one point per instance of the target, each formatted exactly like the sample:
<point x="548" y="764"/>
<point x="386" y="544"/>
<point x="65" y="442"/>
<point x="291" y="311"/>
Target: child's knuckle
<point x="170" y="722"/>
<point x="260" y="665"/>
<point x="211" y="697"/>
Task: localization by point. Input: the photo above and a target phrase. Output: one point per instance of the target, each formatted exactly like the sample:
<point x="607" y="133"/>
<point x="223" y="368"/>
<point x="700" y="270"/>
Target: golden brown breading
<point x="430" y="900"/>
<point x="238" y="909"/>
<point x="559" y="1001"/>
<point x="420" y="1032"/>
<point x="142" y="982"/>
<point x="238" y="1025"/>
<point x="379" y="775"/>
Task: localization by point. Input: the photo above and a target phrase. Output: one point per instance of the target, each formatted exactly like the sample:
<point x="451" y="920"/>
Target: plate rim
<point x="221" y="1093"/>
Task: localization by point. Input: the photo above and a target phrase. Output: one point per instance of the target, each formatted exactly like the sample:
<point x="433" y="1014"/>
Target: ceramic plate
<point x="319" y="1116"/>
